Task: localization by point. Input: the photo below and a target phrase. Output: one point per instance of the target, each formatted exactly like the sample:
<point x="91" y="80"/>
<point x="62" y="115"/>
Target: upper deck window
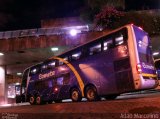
<point x="61" y="62"/>
<point x="51" y="64"/>
<point x="119" y="40"/>
<point x="34" y="70"/>
<point x="108" y="44"/>
<point x="76" y="56"/>
<point x="44" y="67"/>
<point x="95" y="49"/>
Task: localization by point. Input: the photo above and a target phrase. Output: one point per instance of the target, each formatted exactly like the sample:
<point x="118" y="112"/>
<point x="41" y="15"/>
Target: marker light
<point x="54" y="49"/>
<point x="155" y="53"/>
<point x="19" y="73"/>
<point x="73" y="32"/>
<point x="139" y="68"/>
<point x="1" y="54"/>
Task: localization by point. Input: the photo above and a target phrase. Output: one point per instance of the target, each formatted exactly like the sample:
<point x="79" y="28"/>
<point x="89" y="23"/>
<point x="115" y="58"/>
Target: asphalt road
<point x="141" y="105"/>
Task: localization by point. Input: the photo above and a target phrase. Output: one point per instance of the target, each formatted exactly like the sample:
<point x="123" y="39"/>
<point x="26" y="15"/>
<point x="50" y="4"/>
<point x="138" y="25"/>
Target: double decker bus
<point x="118" y="62"/>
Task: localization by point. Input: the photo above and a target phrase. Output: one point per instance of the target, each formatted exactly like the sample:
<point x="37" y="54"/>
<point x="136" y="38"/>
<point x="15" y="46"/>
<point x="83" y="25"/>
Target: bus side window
<point x="95" y="49"/>
<point x="61" y="62"/>
<point x="119" y="39"/>
<point x="51" y="65"/>
<point x="44" y="67"/>
<point x="34" y="70"/>
<point x="66" y="78"/>
<point x="108" y="44"/>
<point x="60" y="81"/>
<point x="76" y="56"/>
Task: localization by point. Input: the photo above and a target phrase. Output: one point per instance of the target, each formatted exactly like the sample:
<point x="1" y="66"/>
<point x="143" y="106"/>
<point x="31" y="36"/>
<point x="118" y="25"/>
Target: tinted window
<point x="35" y="70"/>
<point x="24" y="79"/>
<point x="51" y="64"/>
<point x="95" y="49"/>
<point x="76" y="56"/>
<point x="108" y="44"/>
<point x="119" y="39"/>
<point x="60" y="81"/>
<point x="61" y="62"/>
<point x="143" y="46"/>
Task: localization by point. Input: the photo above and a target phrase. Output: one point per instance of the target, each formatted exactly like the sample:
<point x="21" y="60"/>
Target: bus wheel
<point x="39" y="100"/>
<point x="91" y="93"/>
<point x="75" y="95"/>
<point x="32" y="100"/>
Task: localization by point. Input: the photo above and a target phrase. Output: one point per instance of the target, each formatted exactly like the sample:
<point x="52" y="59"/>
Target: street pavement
<point x="139" y="105"/>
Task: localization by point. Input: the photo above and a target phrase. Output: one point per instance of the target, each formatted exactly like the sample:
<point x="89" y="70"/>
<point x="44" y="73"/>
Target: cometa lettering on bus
<point x="47" y="75"/>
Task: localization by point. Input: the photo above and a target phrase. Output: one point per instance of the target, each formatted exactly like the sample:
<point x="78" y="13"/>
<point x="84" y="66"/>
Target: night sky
<point x="26" y="14"/>
<point x="22" y="14"/>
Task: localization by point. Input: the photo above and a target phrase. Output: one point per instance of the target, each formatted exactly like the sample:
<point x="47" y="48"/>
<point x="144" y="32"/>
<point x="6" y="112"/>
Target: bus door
<point x="24" y="85"/>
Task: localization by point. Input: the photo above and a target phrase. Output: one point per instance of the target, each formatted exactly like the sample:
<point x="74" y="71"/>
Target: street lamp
<point x="1" y="54"/>
<point x="54" y="49"/>
<point x="73" y="32"/>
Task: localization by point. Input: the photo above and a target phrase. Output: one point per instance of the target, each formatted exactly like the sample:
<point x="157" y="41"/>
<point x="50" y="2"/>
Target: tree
<point x="107" y="17"/>
<point x="93" y="7"/>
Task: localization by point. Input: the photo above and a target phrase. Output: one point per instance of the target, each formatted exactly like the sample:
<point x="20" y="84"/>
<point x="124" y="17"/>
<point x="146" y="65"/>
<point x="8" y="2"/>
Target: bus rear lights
<point x="55" y="89"/>
<point x="139" y="68"/>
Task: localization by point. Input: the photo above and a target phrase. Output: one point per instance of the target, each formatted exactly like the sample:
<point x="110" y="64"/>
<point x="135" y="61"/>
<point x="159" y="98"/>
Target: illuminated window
<point x="76" y="56"/>
<point x="44" y="67"/>
<point x="61" y="62"/>
<point x="119" y="40"/>
<point x="35" y="69"/>
<point x="51" y="64"/>
<point x="95" y="49"/>
<point x="107" y="44"/>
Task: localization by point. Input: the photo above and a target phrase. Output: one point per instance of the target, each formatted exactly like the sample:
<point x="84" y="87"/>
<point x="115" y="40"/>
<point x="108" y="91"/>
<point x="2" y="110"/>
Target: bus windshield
<point x="143" y="46"/>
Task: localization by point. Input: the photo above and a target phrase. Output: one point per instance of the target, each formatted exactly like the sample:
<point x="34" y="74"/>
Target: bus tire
<point x="91" y="93"/>
<point x="75" y="95"/>
<point x="39" y="100"/>
<point x="32" y="100"/>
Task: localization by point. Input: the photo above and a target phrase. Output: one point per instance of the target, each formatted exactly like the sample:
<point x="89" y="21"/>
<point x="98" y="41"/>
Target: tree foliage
<point x="107" y="17"/>
<point x="93" y="7"/>
<point x="148" y="20"/>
